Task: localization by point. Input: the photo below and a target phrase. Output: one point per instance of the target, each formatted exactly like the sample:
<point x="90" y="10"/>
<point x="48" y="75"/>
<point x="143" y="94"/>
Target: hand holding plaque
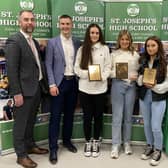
<point x="149" y="76"/>
<point x="94" y="72"/>
<point x="122" y="70"/>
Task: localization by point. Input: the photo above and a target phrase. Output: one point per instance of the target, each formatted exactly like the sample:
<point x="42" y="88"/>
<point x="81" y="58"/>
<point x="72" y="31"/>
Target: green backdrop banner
<point x="142" y="19"/>
<point x="9" y="12"/>
<point x="82" y="12"/>
<point x="164" y="25"/>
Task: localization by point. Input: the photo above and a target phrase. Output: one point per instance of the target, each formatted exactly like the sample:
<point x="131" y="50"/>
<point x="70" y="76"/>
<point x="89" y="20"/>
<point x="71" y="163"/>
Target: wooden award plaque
<point x="122" y="70"/>
<point x="94" y="72"/>
<point x="149" y="76"/>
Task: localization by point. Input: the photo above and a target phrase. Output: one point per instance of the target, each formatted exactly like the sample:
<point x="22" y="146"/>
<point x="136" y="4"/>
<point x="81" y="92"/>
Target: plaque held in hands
<point x="94" y="72"/>
<point x="149" y="76"/>
<point x="122" y="70"/>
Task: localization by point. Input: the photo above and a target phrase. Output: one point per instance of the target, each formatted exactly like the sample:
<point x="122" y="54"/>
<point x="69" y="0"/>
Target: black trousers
<point x="93" y="107"/>
<point x="25" y="117"/>
<point x="64" y="103"/>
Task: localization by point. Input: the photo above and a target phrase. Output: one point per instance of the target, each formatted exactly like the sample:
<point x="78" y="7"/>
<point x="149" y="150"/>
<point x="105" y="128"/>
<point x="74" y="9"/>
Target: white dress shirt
<point x="68" y="49"/>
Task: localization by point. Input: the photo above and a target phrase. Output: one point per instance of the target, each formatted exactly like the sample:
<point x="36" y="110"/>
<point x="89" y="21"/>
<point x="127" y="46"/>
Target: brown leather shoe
<point x="26" y="162"/>
<point x="37" y="150"/>
<point x="32" y="160"/>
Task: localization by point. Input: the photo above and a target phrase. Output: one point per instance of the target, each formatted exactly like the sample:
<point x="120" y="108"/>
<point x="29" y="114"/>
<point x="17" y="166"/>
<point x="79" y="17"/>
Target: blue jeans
<point x="123" y="99"/>
<point x="153" y="113"/>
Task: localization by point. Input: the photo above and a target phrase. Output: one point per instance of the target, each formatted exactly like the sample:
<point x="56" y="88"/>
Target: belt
<point x="68" y="77"/>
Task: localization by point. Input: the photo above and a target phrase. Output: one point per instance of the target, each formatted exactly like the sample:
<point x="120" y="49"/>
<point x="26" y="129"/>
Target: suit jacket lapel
<point x="26" y="46"/>
<point x="60" y="48"/>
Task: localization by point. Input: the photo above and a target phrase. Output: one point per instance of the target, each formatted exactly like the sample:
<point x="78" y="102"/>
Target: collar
<point x="25" y="34"/>
<point x="96" y="46"/>
<point x="64" y="38"/>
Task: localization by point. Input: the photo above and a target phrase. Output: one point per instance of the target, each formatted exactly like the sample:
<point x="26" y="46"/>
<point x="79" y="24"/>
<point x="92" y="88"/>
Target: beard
<point x="29" y="29"/>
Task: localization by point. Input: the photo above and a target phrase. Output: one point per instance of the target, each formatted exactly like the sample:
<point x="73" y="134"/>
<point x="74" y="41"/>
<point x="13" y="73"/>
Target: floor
<point x="69" y="160"/>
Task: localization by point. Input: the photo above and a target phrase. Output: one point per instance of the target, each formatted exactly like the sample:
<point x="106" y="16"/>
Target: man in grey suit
<point x="60" y="58"/>
<point x="26" y="76"/>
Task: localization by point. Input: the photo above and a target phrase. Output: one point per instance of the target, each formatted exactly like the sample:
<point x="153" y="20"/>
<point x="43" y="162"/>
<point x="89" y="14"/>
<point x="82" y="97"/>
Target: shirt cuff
<point x="53" y="85"/>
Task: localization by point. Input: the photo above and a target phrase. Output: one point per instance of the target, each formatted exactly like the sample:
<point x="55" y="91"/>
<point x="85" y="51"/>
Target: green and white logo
<point x="27" y="4"/>
<point x="80" y="7"/>
<point x="133" y="10"/>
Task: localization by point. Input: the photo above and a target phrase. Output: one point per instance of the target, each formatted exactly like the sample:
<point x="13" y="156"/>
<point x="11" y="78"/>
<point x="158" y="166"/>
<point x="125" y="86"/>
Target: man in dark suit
<point x="60" y="58"/>
<point x="26" y="81"/>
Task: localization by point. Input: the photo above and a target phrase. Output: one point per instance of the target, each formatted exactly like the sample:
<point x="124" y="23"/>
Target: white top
<point x="68" y="49"/>
<point x="121" y="56"/>
<point x="100" y="55"/>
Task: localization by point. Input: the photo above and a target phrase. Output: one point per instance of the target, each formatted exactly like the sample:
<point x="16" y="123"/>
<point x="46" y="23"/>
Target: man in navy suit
<point x="26" y="76"/>
<point x="60" y="58"/>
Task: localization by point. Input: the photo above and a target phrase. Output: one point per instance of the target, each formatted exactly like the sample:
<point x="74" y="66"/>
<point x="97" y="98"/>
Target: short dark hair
<point x="65" y="16"/>
<point x="22" y="11"/>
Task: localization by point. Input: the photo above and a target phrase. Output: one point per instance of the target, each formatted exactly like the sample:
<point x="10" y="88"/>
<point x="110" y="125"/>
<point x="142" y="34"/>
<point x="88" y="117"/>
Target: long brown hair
<point x="160" y="55"/>
<point x="86" y="56"/>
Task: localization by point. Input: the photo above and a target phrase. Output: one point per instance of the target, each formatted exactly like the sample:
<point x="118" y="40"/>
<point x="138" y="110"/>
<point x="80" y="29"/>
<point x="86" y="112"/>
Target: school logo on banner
<point x="133" y="10"/>
<point x="80" y="8"/>
<point x="27" y="4"/>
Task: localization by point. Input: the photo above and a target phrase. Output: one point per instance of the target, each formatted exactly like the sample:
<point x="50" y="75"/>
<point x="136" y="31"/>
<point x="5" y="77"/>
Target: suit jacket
<point x="22" y="69"/>
<point x="55" y="59"/>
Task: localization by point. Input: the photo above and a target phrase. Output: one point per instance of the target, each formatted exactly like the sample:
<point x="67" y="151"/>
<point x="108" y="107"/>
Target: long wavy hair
<point x="160" y="55"/>
<point x="86" y="57"/>
<point x="128" y="34"/>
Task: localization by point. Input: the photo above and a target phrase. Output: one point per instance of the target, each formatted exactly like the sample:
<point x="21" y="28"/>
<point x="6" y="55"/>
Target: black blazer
<point x="22" y="69"/>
